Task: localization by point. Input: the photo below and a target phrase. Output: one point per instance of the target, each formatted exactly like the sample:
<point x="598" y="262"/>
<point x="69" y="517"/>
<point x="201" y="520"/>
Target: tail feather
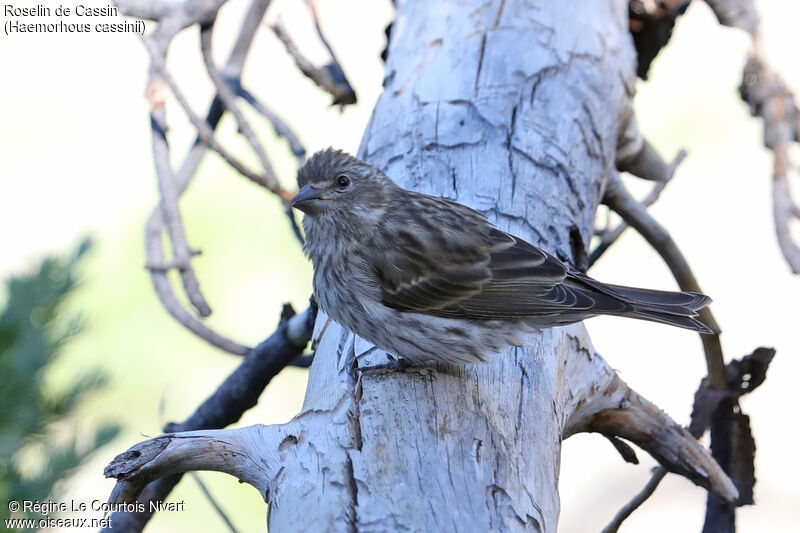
<point x="668" y="307"/>
<point x="693" y="301"/>
<point x="682" y="321"/>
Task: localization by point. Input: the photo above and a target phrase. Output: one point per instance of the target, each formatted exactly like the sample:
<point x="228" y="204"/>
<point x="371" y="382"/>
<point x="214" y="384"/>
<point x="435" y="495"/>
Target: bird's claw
<point x="392" y="365"/>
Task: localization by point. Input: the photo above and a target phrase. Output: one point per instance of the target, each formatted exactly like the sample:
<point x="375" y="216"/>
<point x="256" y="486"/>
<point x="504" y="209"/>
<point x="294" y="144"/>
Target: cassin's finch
<point x="428" y="279"/>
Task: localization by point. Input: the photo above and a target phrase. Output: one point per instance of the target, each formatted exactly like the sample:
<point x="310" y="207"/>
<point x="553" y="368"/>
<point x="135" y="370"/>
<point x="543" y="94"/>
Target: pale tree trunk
<point x="516" y="109"/>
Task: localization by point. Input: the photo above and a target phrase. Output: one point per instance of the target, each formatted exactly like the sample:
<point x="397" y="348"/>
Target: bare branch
<point x="169" y="199"/>
<point x="651" y="25"/>
<point x="232" y="451"/>
<point x="610" y="407"/>
<point x="180" y="14"/>
<point x="768" y="97"/>
<point x="785" y="210"/>
<point x="615" y="410"/>
<point x="233" y="70"/>
<point x="241" y="48"/>
<point x="620" y="200"/>
<point x="213" y="502"/>
<point x="206" y="133"/>
<point x="303" y="361"/>
<point x="737" y="14"/>
<point x="228" y="99"/>
<point x="635" y="214"/>
<point x="610" y="236"/>
<point x="742" y="376"/>
<point x="155" y="224"/>
<point x="636" y="155"/>
<point x="636" y="501"/>
<point x="173" y="263"/>
<point x="238" y="393"/>
<point x="170" y="301"/>
<point x="315" y="17"/>
<point x="218" y="450"/>
<point x="171" y="20"/>
<point x="330" y="77"/>
<point x="227" y="96"/>
<point x="281" y="128"/>
<point x="161" y="461"/>
<point x="345" y="94"/>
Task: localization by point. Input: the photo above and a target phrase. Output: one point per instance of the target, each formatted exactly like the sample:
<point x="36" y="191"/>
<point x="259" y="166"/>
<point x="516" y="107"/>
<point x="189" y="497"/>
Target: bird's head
<point x="335" y="183"/>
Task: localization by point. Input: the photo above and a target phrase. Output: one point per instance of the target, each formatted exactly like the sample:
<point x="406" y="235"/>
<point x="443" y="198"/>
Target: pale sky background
<point x="75" y="159"/>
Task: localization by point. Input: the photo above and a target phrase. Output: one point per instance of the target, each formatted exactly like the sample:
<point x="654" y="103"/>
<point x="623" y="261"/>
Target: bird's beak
<point x="310" y="200"/>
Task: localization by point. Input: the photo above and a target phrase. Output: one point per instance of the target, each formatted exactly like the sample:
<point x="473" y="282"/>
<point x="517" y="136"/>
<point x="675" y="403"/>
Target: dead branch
<point x="170" y="301"/>
<point x="155" y="224"/>
<point x="614" y="410"/>
<point x="227" y="96"/>
<point x="171" y="186"/>
<point x="169" y="201"/>
<point x="785" y="210"/>
<point x="281" y="128"/>
<point x="193" y="450"/>
<point x="634" y="213"/>
<point x="172" y="18"/>
<point x="658" y="474"/>
<point x="166" y="457"/>
<point x="330" y="77"/>
<point x="237" y="394"/>
<point x="769" y="98"/>
<point x="736" y="14"/>
<point x="219" y="510"/>
<point x="635" y="154"/>
<point x="610" y="236"/>
<point x="206" y="134"/>
<point x="720" y="411"/>
<point x="169" y="212"/>
<point x="743" y="376"/>
<point x="228" y="99"/>
<point x="618" y="198"/>
<point x="651" y="25"/>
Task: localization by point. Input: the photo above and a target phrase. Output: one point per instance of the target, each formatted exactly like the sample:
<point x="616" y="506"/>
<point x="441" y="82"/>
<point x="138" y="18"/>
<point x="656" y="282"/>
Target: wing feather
<point x="487" y="274"/>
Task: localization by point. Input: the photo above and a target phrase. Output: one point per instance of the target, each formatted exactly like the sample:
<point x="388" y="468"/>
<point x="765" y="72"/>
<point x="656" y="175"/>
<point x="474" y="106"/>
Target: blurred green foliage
<point x="40" y="439"/>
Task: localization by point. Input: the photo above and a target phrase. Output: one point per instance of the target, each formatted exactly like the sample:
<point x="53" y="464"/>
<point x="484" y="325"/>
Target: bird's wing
<point x="432" y="254"/>
<point x="498" y="276"/>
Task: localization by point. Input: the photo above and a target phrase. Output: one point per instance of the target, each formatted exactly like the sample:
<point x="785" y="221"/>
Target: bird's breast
<point x="343" y="282"/>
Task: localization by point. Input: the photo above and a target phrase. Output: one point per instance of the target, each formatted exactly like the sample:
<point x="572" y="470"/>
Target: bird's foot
<point x="391" y="365"/>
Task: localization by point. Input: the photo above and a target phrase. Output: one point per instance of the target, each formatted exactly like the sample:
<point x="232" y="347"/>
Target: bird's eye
<point x="343" y="181"/>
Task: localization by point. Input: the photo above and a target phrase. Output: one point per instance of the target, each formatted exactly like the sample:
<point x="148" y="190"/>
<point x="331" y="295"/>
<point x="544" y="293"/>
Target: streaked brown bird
<point x="428" y="279"/>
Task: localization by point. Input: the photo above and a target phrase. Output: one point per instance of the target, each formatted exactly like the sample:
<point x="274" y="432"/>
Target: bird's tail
<point x="668" y="307"/>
